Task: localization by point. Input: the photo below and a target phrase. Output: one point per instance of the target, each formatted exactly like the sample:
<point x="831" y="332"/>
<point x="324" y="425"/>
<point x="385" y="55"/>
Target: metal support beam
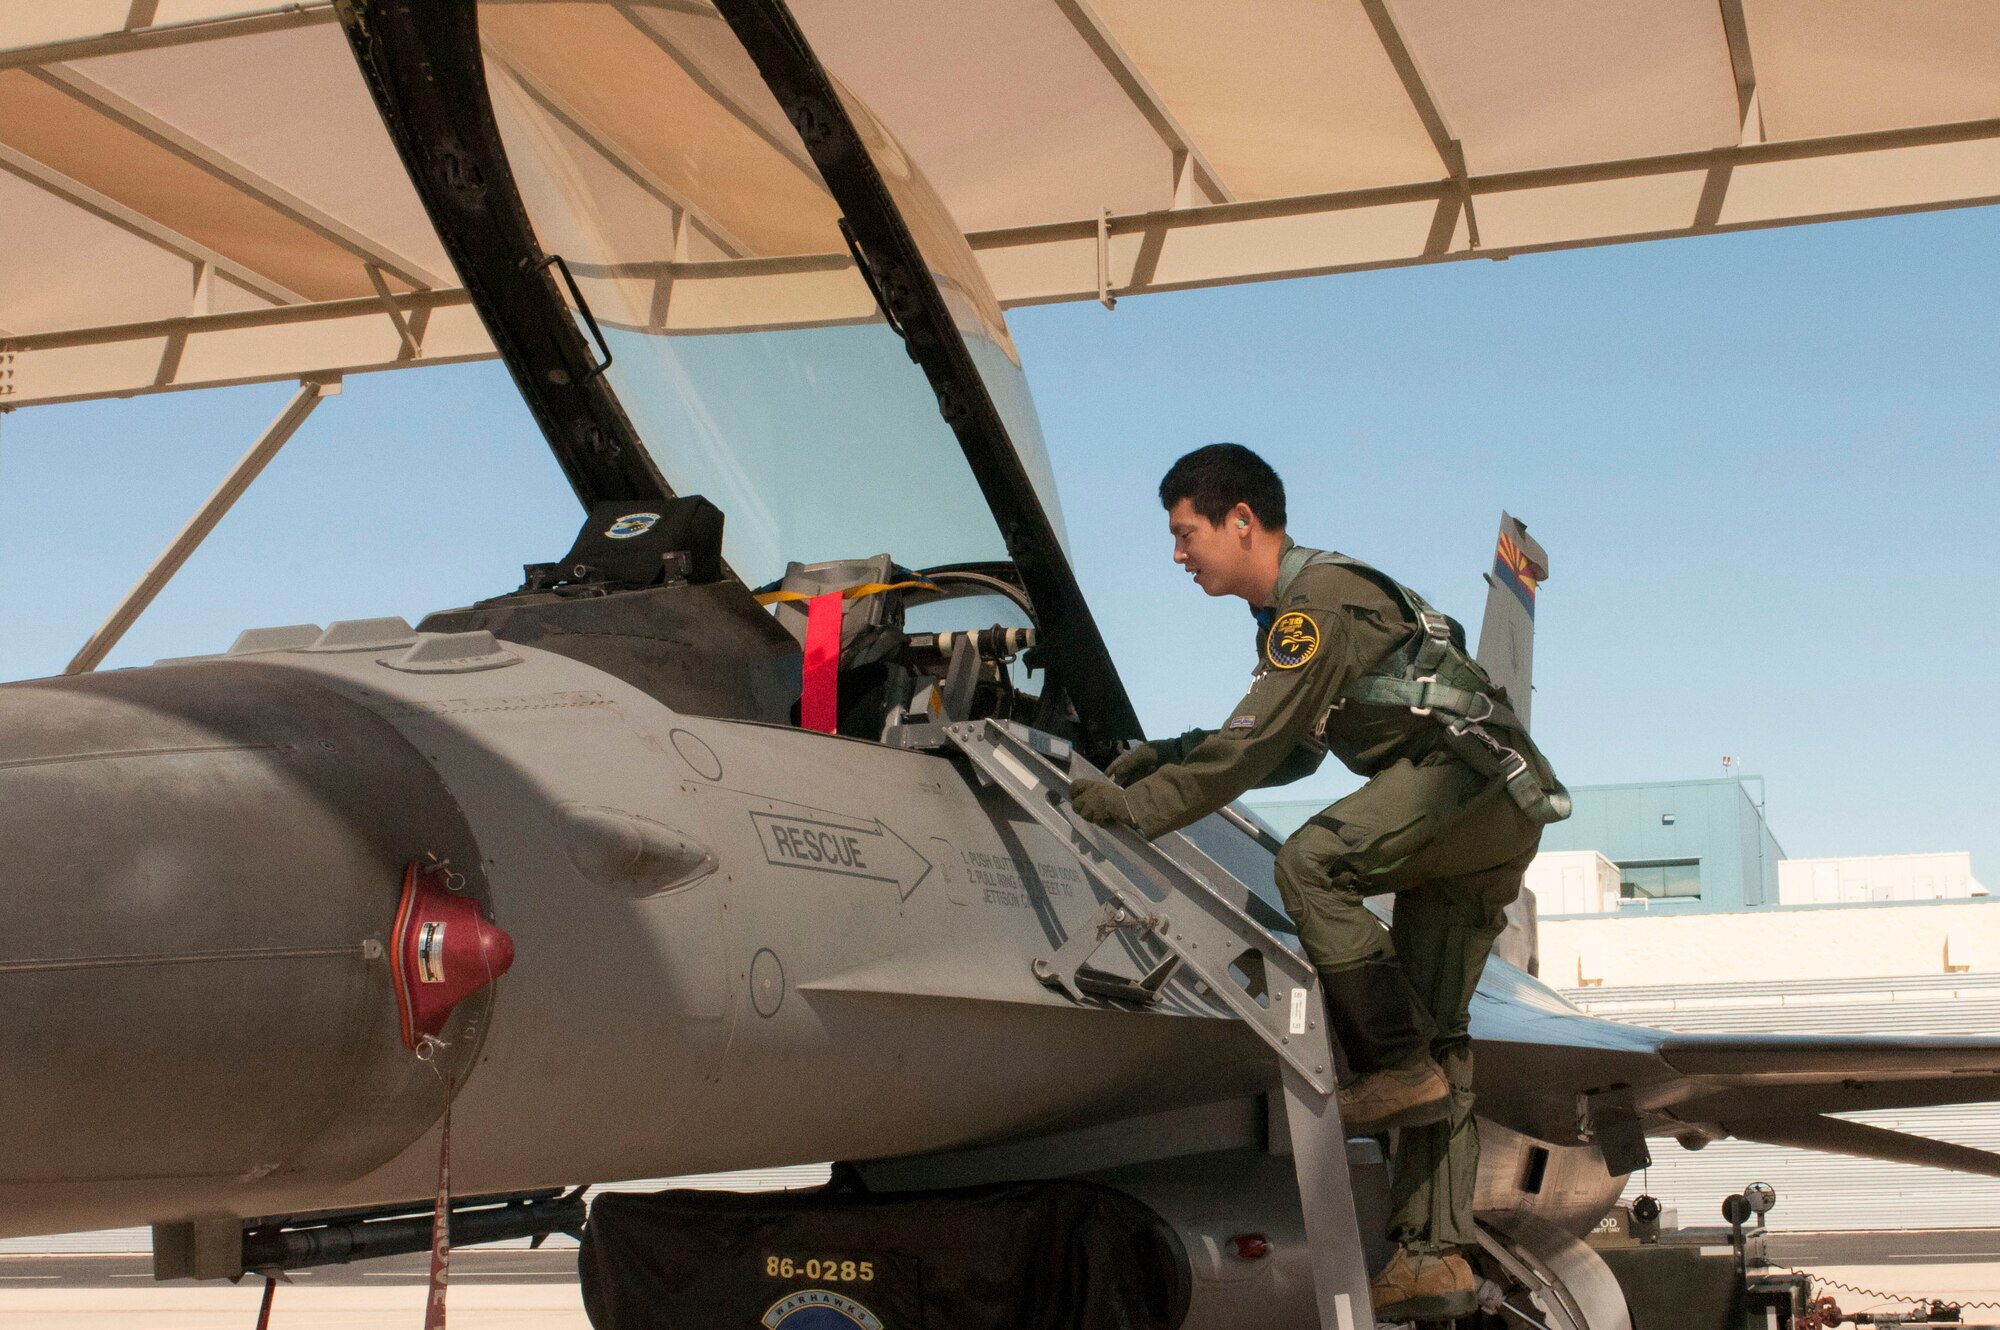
<point x="184" y="545"/>
<point x="1115" y="60"/>
<point x="1104" y="296"/>
<point x="784" y="142"/>
<point x="1406" y="69"/>
<point x="1451" y="154"/>
<point x="90" y="42"/>
<point x="1744" y="69"/>
<point x="1749" y="116"/>
<point x="412" y="347"/>
<point x="1040" y="264"/>
<point x="1462" y="191"/>
<point x="233" y="173"/>
<point x="83" y="196"/>
<point x="637" y="172"/>
<point x="325" y="340"/>
<point x="1053" y="262"/>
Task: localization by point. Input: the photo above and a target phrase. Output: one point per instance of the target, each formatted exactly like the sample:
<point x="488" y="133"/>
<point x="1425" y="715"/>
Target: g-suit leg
<point x="1444" y="931"/>
<point x="1453" y="847"/>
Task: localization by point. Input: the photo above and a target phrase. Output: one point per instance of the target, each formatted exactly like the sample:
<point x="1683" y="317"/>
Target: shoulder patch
<point x="1293" y="640"/>
<point x="1241" y="723"/>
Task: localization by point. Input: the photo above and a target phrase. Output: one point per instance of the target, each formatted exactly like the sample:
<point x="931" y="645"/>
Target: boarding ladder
<point x="1198" y="914"/>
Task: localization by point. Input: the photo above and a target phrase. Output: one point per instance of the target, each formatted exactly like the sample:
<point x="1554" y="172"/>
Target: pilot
<point x="1351" y="661"/>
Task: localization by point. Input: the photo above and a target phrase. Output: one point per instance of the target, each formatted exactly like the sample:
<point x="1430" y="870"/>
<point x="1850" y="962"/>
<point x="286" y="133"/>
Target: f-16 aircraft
<point x="731" y="837"/>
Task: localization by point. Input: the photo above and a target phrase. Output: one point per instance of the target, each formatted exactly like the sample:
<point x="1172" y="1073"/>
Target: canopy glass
<point x="745" y="344"/>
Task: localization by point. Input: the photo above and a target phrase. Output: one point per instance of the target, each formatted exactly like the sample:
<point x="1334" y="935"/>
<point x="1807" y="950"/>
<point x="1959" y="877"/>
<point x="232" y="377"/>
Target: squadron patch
<point x="1293" y="640"/>
<point x="819" y="1309"/>
<point x="632" y="524"/>
<point x="1241" y="723"/>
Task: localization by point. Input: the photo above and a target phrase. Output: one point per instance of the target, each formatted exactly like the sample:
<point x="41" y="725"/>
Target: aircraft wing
<point x="200" y="192"/>
<point x="1557" y="1073"/>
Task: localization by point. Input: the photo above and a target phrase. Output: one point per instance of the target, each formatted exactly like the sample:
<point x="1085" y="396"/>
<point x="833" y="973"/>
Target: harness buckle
<point x="1461" y="729"/>
<point x="1435" y="625"/>
<point x="1423" y="711"/>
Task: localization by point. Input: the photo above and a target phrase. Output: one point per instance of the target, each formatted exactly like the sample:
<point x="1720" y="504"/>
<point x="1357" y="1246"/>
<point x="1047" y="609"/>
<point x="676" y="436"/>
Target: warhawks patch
<point x="1293" y="640"/>
<point x="819" y="1309"/>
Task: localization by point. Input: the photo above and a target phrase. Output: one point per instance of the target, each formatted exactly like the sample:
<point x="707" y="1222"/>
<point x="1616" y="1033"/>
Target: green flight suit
<point x="1450" y="842"/>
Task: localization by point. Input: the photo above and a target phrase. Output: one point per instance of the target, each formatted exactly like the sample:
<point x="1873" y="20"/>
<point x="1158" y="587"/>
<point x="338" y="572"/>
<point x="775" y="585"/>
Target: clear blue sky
<point x="1764" y="467"/>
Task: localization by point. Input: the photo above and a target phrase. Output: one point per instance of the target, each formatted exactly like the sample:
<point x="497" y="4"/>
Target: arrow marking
<point x="842" y="846"/>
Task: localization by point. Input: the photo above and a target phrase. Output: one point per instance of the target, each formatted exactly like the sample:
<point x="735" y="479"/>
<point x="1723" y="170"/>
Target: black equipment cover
<point x="1021" y="1256"/>
<point x="623" y="540"/>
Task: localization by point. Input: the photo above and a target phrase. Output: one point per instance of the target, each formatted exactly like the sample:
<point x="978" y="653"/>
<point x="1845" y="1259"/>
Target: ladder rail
<point x="1294" y="1029"/>
<point x="1291" y="1024"/>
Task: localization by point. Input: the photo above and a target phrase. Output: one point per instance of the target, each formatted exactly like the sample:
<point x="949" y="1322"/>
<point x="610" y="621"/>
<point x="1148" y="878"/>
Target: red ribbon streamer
<point x="819" y="700"/>
<point x="264" y="1312"/>
<point x="441" y="1228"/>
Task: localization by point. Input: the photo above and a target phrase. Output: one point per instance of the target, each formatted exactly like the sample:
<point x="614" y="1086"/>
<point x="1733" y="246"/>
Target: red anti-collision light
<point x="1251" y="1246"/>
<point x="444" y="951"/>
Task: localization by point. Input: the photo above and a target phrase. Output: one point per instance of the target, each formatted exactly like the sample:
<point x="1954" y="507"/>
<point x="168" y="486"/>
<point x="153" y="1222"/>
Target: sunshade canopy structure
<point x="196" y="193"/>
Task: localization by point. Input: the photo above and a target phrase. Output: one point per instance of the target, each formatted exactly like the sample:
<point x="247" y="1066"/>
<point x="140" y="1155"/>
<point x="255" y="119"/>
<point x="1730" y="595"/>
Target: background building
<point x="1693" y="844"/>
<point x="1880" y="877"/>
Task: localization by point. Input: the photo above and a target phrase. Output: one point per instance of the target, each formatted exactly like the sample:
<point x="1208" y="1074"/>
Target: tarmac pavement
<point x="510" y="1288"/>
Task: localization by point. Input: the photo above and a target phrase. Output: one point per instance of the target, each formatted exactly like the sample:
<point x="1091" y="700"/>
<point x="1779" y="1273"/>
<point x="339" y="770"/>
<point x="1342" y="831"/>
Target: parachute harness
<point x="1432" y="675"/>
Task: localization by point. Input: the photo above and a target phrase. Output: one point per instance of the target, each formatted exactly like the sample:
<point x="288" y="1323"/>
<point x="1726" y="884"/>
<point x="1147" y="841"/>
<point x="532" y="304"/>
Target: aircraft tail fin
<point x="1507" y="633"/>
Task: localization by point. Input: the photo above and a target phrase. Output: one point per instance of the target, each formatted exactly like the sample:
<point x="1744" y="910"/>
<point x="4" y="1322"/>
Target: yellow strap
<point x="851" y="593"/>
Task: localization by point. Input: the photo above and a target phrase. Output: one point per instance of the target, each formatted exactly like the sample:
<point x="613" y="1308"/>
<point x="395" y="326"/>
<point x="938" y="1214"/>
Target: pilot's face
<point x="1216" y="555"/>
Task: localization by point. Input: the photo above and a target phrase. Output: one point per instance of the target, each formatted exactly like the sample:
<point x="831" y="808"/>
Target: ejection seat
<point x="858" y="679"/>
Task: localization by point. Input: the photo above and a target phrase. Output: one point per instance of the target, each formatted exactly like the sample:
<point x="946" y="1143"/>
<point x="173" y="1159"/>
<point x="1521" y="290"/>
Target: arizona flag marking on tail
<point x="1521" y="574"/>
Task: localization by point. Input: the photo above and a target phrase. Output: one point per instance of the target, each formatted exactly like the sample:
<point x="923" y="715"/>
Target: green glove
<point x="1137" y="761"/>
<point x="1149" y="755"/>
<point x="1102" y="803"/>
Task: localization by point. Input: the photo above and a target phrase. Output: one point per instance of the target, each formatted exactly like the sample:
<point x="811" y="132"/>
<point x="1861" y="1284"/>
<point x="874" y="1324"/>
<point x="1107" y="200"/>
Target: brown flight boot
<point x="1419" y="1287"/>
<point x="1395" y="1097"/>
<point x="1375" y="1017"/>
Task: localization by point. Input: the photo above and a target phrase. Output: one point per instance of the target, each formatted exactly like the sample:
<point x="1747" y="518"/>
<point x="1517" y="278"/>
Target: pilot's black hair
<point x="1216" y="478"/>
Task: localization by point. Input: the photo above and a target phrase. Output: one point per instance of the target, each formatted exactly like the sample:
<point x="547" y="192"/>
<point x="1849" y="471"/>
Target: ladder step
<point x="1104" y="984"/>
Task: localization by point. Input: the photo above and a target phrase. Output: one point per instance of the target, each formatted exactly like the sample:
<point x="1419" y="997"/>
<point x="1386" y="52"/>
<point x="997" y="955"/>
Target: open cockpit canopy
<point x="742" y="340"/>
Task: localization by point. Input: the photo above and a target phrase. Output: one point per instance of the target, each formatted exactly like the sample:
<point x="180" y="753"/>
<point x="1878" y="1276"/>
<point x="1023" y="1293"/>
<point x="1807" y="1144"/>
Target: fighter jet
<point x="730" y="837"/>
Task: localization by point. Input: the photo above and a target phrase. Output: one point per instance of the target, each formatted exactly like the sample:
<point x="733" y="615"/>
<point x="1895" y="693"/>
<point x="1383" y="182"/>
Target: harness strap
<point x="1474" y="745"/>
<point x="1422" y="696"/>
<point x="1434" y="648"/>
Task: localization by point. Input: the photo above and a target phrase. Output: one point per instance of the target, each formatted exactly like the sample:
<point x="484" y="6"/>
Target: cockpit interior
<point x="864" y="647"/>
